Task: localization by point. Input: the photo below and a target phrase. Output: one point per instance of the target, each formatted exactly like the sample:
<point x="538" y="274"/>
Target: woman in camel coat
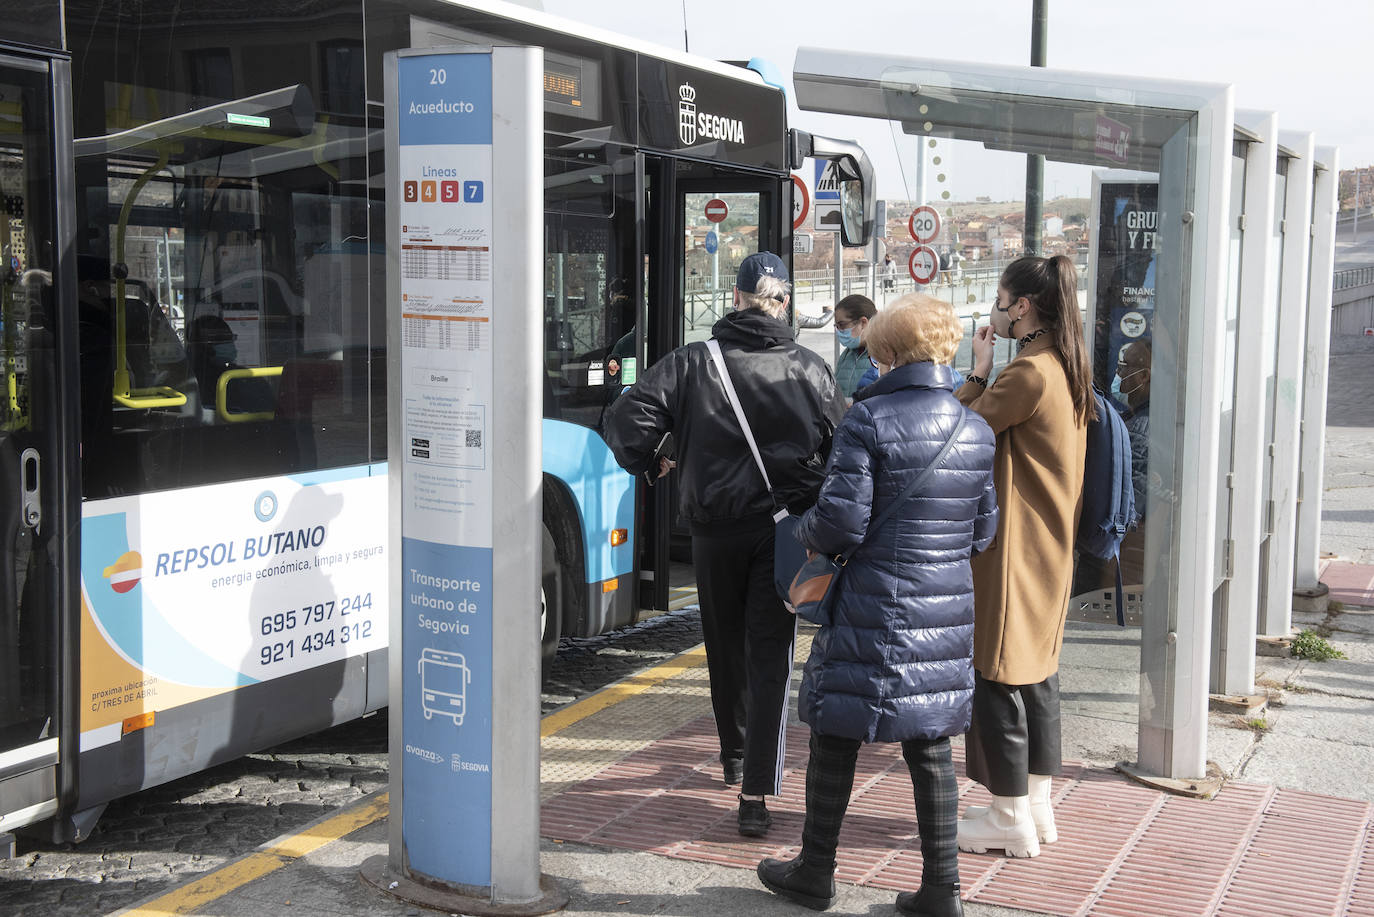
<point x="1038" y="407"/>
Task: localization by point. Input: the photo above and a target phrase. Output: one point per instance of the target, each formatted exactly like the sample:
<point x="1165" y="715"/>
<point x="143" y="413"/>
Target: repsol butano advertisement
<point x="187" y="594"/>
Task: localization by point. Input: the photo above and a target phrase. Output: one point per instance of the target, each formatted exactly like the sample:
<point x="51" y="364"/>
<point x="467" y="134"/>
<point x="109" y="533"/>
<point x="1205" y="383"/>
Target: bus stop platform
<point x="636" y="819"/>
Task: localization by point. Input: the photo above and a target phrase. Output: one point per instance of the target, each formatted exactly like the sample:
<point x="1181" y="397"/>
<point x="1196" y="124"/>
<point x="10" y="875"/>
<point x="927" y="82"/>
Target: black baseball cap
<point x="757" y="265"/>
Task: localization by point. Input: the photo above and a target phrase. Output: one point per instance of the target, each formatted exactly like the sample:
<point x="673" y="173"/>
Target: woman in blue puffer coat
<point x="895" y="663"/>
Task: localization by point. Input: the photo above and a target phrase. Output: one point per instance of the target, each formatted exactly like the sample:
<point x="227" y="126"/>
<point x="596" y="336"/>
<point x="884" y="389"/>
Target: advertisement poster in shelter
<point x="1126" y="249"/>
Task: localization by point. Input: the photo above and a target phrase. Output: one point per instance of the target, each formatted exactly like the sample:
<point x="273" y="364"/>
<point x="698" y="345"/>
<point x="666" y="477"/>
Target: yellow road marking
<point x="614" y="694"/>
<point x="331" y="829"/>
<point x="209" y="887"/>
<point x="227" y="878"/>
<point x="232" y="876"/>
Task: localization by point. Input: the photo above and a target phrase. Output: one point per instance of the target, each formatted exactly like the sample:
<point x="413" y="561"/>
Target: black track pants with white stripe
<point x="750" y="640"/>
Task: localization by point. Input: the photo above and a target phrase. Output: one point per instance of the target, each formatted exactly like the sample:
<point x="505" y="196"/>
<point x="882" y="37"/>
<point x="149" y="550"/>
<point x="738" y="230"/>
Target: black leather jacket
<point x="788" y="395"/>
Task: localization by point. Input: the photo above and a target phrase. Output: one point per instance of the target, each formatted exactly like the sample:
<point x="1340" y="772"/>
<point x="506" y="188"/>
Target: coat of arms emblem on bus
<point x="687" y="114"/>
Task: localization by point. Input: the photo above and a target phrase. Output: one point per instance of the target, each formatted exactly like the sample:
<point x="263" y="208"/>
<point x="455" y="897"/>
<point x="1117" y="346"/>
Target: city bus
<point x="193" y="426"/>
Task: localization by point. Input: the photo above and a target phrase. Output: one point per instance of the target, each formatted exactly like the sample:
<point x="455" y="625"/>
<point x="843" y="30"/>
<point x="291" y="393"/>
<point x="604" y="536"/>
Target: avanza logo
<point x="693" y="125"/>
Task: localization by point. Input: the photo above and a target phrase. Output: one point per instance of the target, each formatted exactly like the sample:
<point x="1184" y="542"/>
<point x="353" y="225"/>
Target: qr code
<point x="472" y="439"/>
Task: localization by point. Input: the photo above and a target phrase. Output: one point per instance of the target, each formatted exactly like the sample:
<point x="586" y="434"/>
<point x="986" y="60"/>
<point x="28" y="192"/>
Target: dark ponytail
<point x="1051" y="285"/>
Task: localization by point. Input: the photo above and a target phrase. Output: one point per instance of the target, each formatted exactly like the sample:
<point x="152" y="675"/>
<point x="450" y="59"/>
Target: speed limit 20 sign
<point x="924" y="264"/>
<point x="924" y="224"/>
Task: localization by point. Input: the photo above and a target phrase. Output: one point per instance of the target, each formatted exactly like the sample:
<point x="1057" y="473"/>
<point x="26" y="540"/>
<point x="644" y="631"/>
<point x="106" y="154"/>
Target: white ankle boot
<point x="1041" y="812"/>
<point x="1005" y="825"/>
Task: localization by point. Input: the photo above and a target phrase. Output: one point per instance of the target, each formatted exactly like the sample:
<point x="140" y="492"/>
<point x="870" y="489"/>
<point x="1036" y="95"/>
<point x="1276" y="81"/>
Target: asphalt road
<point x="166" y="836"/>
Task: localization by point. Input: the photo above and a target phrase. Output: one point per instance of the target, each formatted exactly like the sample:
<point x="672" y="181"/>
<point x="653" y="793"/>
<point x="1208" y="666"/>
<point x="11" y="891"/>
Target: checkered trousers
<point x="830" y="780"/>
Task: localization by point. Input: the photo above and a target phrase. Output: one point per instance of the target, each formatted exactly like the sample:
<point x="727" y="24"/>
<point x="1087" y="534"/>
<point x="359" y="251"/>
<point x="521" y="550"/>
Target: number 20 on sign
<point x="924" y="224"/>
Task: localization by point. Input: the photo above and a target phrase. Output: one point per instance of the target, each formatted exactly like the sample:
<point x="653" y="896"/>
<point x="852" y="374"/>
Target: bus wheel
<point x="550" y="606"/>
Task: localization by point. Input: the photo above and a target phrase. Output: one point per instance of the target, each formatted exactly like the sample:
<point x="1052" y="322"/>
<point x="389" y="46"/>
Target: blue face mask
<point x="224" y="352"/>
<point x="846" y="338"/>
<point x="1117" y="393"/>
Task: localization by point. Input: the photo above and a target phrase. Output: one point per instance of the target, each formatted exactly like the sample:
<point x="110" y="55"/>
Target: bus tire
<point x="552" y="583"/>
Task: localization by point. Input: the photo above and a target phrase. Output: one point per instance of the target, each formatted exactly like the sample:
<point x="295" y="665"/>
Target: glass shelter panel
<point x="1098" y="122"/>
<point x="1228" y="380"/>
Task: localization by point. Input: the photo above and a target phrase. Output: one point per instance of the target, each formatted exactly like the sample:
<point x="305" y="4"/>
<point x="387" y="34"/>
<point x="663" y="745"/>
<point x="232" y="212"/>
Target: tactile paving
<point x="1123" y="849"/>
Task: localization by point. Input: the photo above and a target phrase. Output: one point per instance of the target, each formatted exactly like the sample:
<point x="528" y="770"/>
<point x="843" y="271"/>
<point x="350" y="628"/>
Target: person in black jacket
<point x="895" y="663"/>
<point x="792" y="405"/>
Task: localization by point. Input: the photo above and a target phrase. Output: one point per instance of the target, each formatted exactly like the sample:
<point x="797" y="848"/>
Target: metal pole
<point x="839" y="277"/>
<point x="921" y="145"/>
<point x="1035" y="165"/>
<point x="1355" y="225"/>
<point x="716" y="291"/>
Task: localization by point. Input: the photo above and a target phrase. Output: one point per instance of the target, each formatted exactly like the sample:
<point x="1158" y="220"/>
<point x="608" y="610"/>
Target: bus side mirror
<point x="856" y="208"/>
<point x="858" y="190"/>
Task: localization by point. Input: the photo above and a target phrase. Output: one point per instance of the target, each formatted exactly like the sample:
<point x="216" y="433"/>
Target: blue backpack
<point x="1108" y="494"/>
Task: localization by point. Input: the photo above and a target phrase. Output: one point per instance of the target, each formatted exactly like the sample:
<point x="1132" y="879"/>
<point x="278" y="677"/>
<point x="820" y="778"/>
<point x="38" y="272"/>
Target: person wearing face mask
<point x="789" y="399"/>
<point x="1131" y="386"/>
<point x="894" y="662"/>
<point x="852" y="315"/>
<point x="1039" y="407"/>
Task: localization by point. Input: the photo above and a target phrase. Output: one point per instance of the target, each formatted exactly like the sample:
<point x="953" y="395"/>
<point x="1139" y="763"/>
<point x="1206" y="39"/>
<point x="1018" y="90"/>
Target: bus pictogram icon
<point x="444" y="678"/>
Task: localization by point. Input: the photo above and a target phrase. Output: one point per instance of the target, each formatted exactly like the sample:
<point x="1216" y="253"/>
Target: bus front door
<point x="718" y="216"/>
<point x="37" y="418"/>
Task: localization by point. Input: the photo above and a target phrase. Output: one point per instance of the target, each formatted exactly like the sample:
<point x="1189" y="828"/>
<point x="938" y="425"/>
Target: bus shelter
<point x="1235" y="220"/>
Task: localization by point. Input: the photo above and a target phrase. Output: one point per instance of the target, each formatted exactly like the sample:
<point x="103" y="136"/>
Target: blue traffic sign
<point x="827" y="181"/>
<point x="712" y="242"/>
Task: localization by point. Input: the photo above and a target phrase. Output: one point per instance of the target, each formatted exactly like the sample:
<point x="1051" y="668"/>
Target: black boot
<point x="931" y="901"/>
<point x="809" y="886"/>
<point x="754" y="820"/>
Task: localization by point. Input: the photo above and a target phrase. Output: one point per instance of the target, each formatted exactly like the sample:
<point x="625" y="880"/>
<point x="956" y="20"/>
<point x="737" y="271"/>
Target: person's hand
<point x="983" y="342"/>
<point x="665" y="465"/>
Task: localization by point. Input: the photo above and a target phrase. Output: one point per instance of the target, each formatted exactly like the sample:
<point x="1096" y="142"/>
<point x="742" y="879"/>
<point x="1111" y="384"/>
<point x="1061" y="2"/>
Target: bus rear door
<point x="37" y="421"/>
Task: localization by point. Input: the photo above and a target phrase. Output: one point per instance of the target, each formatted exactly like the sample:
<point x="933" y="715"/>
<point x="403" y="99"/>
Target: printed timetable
<point x="445" y="332"/>
<point x="429" y="261"/>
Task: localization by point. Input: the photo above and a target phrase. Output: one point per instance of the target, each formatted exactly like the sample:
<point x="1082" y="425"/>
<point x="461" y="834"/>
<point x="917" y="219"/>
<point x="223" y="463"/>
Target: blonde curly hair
<point x="914" y="328"/>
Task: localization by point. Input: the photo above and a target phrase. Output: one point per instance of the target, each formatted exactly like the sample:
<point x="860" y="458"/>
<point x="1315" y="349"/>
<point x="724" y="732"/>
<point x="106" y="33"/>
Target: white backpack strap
<point x="714" y="347"/>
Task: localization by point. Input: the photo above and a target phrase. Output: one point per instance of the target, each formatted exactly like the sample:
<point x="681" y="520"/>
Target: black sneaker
<point x="931" y="901"/>
<point x="809" y="886"/>
<point x="733" y="768"/>
<point x="754" y="819"/>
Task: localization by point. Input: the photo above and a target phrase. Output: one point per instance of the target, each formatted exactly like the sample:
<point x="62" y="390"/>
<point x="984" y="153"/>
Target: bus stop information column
<point x="462" y="190"/>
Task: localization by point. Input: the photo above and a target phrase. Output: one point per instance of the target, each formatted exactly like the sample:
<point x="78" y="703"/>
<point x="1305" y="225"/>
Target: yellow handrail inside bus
<point x="158" y="396"/>
<point x="14" y="412"/>
<point x="222" y="393"/>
